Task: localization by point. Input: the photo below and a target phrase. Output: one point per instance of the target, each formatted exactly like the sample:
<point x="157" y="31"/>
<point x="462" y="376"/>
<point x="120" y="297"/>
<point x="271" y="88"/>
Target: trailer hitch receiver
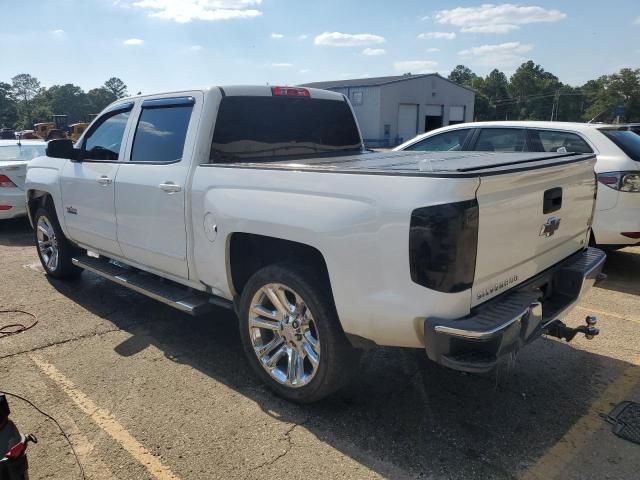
<point x="559" y="330"/>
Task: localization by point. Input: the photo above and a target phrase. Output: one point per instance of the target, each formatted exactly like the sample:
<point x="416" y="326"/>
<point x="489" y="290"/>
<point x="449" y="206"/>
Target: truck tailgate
<point x="529" y="221"/>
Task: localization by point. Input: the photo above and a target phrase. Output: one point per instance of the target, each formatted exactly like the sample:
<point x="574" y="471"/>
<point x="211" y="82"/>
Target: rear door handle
<point x="170" y="187"/>
<point x="104" y="180"/>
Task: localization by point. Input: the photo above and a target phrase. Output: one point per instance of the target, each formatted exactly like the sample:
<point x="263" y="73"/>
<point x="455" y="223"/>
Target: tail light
<point x="443" y="244"/>
<point x="6" y="182"/>
<point x="290" y="92"/>
<point x="16" y="451"/>
<point x="621" y="181"/>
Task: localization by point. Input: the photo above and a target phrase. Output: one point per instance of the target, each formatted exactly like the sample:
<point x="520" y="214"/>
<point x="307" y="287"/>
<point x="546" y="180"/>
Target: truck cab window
<point x="160" y="134"/>
<point x="262" y="129"/>
<point x="103" y="141"/>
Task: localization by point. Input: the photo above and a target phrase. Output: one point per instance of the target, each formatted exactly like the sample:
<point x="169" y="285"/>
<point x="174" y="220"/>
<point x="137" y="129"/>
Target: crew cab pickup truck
<point x="264" y="200"/>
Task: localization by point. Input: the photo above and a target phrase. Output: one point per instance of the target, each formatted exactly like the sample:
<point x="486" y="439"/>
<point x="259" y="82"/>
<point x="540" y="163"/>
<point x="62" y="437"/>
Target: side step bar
<point x="171" y="293"/>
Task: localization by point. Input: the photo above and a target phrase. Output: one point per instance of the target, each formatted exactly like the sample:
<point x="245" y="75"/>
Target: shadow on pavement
<point x="401" y="411"/>
<point x="16" y="232"/>
<point x="623" y="271"/>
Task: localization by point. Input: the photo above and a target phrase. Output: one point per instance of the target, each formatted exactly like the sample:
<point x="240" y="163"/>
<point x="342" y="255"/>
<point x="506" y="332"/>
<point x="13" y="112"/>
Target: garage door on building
<point x="407" y="121"/>
<point x="456" y="114"/>
<point x="432" y="117"/>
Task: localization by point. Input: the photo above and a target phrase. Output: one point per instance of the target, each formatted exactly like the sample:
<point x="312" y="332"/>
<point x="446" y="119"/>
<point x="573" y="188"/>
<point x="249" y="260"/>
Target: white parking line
<point x="575" y="444"/>
<point x="106" y="422"/>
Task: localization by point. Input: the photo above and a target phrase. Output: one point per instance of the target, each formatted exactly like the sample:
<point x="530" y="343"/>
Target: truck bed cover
<point x="437" y="164"/>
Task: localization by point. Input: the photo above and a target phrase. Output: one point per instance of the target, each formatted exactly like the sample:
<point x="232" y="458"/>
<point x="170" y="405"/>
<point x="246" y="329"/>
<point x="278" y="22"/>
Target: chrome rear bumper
<point x="504" y="324"/>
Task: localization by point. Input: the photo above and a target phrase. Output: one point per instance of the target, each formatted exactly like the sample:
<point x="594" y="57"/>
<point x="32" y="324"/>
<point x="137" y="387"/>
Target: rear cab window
<point x="557" y="141"/>
<point x="500" y="140"/>
<point x="626" y="140"/>
<point x="451" y="141"/>
<point x="261" y="129"/>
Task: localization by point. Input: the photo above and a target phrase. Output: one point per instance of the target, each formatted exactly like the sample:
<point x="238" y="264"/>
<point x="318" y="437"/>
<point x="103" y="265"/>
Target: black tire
<point x="338" y="360"/>
<point x="63" y="268"/>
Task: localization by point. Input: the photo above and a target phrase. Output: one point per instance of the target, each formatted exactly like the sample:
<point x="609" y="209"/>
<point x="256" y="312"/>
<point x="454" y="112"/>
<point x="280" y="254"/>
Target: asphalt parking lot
<point x="147" y="392"/>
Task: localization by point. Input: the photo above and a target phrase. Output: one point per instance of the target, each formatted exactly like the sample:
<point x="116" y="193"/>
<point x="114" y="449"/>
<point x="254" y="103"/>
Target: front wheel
<point x="291" y="334"/>
<point x="54" y="249"/>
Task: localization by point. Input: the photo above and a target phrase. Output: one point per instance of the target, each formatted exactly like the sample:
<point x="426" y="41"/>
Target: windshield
<point x="21" y="152"/>
<point x="261" y="128"/>
<point x="628" y="142"/>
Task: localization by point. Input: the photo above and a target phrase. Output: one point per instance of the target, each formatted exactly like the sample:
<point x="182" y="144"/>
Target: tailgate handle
<point x="552" y="200"/>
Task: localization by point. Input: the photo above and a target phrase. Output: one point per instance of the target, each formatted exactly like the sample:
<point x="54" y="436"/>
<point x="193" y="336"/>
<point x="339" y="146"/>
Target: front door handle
<point x="170" y="187"/>
<point x="104" y="180"/>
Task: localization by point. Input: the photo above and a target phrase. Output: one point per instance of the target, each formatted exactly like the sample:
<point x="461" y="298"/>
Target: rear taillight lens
<point x="290" y="92"/>
<point x="443" y="244"/>
<point x="634" y="235"/>
<point x="15" y="451"/>
<point x="621" y="181"/>
<point x="6" y="182"/>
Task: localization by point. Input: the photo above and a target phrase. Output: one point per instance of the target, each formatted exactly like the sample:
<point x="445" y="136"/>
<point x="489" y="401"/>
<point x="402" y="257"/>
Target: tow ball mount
<point x="559" y="330"/>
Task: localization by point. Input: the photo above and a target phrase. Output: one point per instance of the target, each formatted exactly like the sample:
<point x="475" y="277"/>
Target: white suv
<point x="617" y="219"/>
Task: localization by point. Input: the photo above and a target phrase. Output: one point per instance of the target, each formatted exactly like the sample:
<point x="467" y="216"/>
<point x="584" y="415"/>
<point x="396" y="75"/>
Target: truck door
<point x="150" y="190"/>
<point x="88" y="185"/>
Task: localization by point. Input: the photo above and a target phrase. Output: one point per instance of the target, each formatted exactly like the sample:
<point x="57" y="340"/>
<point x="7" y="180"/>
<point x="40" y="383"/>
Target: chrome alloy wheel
<point x="47" y="243"/>
<point x="284" y="335"/>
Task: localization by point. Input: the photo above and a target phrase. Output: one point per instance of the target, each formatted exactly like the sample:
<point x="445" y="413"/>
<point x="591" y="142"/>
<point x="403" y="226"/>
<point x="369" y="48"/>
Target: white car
<point x="14" y="156"/>
<point x="617" y="217"/>
<point x="262" y="199"/>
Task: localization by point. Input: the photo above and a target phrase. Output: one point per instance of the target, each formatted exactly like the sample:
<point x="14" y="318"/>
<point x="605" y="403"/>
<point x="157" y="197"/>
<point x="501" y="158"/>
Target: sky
<point x="162" y="45"/>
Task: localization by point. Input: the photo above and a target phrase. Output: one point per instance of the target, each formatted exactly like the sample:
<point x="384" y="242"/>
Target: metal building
<point x="391" y="110"/>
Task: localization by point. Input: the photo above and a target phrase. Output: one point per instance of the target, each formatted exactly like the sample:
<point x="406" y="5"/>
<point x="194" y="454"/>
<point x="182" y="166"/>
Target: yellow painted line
<point x="106" y="422"/>
<point x="610" y="314"/>
<point x="575" y="444"/>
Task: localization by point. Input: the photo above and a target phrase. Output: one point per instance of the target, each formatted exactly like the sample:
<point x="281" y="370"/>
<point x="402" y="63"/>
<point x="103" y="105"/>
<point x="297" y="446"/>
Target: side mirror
<point x="61" y="148"/>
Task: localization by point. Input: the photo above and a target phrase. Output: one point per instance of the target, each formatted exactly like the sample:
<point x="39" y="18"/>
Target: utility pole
<point x="555" y="105"/>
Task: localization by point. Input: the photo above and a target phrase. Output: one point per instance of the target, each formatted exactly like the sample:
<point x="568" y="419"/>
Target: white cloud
<point x="277" y="35"/>
<point x="636" y="21"/>
<point x="492" y="18"/>
<point x="133" y="42"/>
<point x="196" y="48"/>
<point x="415" y="66"/>
<point x="282" y="65"/>
<point x="438" y="35"/>
<point x="304" y="70"/>
<point x="337" y="39"/>
<point x="426" y="17"/>
<point x="303" y="37"/>
<point x="374" y="52"/>
<point x="501" y="55"/>
<point x="184" y="11"/>
<point x="58" y="33"/>
<point x="433" y="49"/>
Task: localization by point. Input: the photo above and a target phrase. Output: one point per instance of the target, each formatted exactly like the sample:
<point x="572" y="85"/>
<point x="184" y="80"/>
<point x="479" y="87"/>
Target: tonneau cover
<point x="419" y="163"/>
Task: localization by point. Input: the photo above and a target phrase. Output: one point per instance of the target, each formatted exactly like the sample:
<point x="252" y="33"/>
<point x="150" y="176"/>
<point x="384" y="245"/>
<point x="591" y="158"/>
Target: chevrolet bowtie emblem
<point x="550" y="227"/>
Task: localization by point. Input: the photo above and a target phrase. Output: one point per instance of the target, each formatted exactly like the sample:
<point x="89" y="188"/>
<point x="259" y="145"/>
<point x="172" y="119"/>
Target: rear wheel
<point x="292" y="336"/>
<point x="54" y="249"/>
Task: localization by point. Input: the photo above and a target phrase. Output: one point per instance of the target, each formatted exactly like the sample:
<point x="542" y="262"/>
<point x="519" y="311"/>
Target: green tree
<point x="69" y="100"/>
<point x="116" y="86"/>
<point x="99" y="98"/>
<point x="495" y="87"/>
<point x="534" y="91"/>
<point x="463" y="75"/>
<point x="24" y="88"/>
<point x="8" y="109"/>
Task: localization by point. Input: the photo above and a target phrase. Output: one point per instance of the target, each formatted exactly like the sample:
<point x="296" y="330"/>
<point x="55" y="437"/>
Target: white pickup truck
<point x="264" y="199"/>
